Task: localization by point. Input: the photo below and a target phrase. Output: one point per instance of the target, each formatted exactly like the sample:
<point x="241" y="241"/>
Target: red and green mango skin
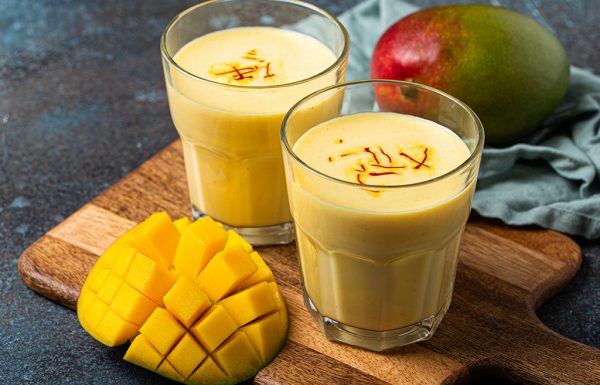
<point x="504" y="65"/>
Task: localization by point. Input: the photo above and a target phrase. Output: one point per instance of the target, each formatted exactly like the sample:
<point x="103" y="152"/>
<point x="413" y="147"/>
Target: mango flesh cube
<point x="109" y="288"/>
<point x="149" y="278"/>
<point x="280" y="304"/>
<point x="225" y="272"/>
<point x="114" y="330"/>
<point x="157" y="239"/>
<point x="181" y="224"/>
<point x="186" y="301"/>
<point x="186" y="355"/>
<point x="142" y="353"/>
<point x="250" y="304"/>
<point x="237" y="356"/>
<point x="215" y="316"/>
<point x="95" y="313"/>
<point x="263" y="273"/>
<point x="162" y="330"/>
<point x="214" y="327"/>
<point x="96" y="279"/>
<point x="234" y="238"/>
<point x="199" y="242"/>
<point x="208" y="373"/>
<point x="132" y="305"/>
<point x="123" y="259"/>
<point x="86" y="297"/>
<point x="165" y="369"/>
<point x="264" y="335"/>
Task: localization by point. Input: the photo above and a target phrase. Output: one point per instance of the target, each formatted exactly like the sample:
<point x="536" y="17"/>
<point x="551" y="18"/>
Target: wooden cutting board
<point x="490" y="332"/>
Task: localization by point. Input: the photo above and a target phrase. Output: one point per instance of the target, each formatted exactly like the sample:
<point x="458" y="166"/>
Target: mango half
<point x="198" y="304"/>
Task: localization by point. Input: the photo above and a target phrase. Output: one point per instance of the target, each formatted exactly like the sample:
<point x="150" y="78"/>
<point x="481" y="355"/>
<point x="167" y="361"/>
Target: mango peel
<point x="198" y="304"/>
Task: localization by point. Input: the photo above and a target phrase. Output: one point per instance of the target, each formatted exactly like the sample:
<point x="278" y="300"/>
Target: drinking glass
<point x="229" y="132"/>
<point x="378" y="262"/>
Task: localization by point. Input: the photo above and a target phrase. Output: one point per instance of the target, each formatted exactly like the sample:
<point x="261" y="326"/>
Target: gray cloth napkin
<point x="552" y="178"/>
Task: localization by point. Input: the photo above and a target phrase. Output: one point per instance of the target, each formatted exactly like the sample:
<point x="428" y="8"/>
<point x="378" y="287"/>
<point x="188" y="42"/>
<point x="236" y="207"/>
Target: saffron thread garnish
<point x="382" y="173"/>
<point x="269" y="74"/>
<point x="253" y="58"/>
<point x="386" y="155"/>
<point x="418" y="163"/>
<point x="383" y="166"/>
<point x="368" y="149"/>
<point x="358" y="179"/>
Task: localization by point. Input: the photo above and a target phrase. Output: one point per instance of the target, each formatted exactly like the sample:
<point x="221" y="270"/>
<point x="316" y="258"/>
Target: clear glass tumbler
<point x="378" y="261"/>
<point x="229" y="129"/>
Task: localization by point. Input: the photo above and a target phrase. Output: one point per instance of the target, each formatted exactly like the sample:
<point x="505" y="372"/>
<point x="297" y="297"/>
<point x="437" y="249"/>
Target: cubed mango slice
<point x="225" y="272"/>
<point x="208" y="373"/>
<point x="199" y="242"/>
<point x="142" y="353"/>
<point x="181" y="224"/>
<point x="237" y="356"/>
<point x="263" y="334"/>
<point x="198" y="304"/>
<point x="263" y="273"/>
<point x="214" y="327"/>
<point x="162" y="330"/>
<point x="157" y="239"/>
<point x="186" y="356"/>
<point x="249" y="304"/>
<point x="186" y="301"/>
<point x="149" y="278"/>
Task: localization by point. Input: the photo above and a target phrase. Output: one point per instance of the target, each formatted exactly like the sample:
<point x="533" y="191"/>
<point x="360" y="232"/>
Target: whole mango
<point x="510" y="70"/>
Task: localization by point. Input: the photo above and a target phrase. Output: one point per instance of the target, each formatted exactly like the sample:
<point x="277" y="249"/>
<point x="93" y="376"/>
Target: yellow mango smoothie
<point x="229" y="113"/>
<point x="377" y="242"/>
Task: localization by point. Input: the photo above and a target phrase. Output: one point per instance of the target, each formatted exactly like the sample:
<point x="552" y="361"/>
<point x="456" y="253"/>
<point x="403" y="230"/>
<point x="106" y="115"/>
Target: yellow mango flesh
<point x="198" y="304"/>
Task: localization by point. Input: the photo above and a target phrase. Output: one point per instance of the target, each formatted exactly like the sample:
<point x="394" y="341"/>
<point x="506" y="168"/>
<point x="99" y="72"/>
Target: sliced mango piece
<point x="132" y="305"/>
<point x="97" y="278"/>
<point x="157" y="239"/>
<point x="165" y="369"/>
<point x="199" y="242"/>
<point x="186" y="355"/>
<point x="110" y="287"/>
<point x="162" y="330"/>
<point x="225" y="272"/>
<point x="214" y="327"/>
<point x="114" y="330"/>
<point x="181" y="224"/>
<point x="198" y="303"/>
<point x="250" y="304"/>
<point x="142" y="353"/>
<point x="123" y="259"/>
<point x="264" y="335"/>
<point x="208" y="373"/>
<point x="186" y="301"/>
<point x="263" y="273"/>
<point x="95" y="314"/>
<point x="149" y="278"/>
<point x="234" y="238"/>
<point x="237" y="356"/>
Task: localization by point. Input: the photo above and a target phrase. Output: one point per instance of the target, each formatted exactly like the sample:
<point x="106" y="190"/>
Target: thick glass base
<point x="280" y="234"/>
<point x="373" y="340"/>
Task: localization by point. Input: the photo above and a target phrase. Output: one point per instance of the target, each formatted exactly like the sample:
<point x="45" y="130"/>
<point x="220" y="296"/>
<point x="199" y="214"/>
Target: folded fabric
<point x="550" y="179"/>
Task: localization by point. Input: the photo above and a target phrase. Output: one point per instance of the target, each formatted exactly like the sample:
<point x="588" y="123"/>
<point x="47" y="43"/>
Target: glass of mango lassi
<point x="380" y="194"/>
<point x="233" y="68"/>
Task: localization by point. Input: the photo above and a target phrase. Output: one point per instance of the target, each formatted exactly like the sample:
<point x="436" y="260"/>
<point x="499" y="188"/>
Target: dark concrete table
<point x="82" y="103"/>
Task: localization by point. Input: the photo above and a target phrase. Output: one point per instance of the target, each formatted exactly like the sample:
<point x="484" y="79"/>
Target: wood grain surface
<point x="490" y="331"/>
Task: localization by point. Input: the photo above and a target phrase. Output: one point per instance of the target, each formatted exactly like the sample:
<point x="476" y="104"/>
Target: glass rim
<point x="472" y="157"/>
<point x="339" y="59"/>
